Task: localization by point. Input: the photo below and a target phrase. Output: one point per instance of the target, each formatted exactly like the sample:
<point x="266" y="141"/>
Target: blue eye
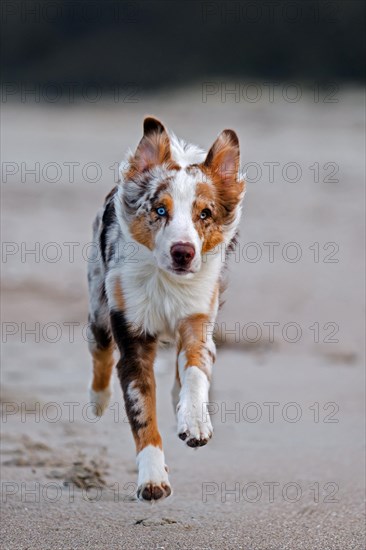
<point x="206" y="213"/>
<point x="161" y="211"/>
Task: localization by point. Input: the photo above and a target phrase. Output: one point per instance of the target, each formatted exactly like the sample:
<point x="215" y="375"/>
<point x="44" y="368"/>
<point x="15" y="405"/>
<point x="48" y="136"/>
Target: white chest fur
<point x="157" y="301"/>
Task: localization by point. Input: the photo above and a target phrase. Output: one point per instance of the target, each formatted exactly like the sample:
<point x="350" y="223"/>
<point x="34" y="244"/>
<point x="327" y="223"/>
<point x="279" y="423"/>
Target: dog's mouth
<point x="181" y="271"/>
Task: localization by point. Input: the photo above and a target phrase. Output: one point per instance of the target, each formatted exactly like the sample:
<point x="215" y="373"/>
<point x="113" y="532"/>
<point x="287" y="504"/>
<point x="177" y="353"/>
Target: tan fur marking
<point x="212" y="238"/>
<point x="192" y="341"/>
<point x="205" y="191"/>
<point x="228" y="195"/>
<point x="210" y="229"/>
<point x="167" y="201"/>
<point x="177" y="366"/>
<point x="118" y="296"/>
<point x="103" y="362"/>
<point x="140" y="231"/>
<point x="149" y="435"/>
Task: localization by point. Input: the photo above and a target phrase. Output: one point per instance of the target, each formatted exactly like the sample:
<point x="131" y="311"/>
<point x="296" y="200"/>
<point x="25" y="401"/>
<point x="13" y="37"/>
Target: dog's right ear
<point x="154" y="147"/>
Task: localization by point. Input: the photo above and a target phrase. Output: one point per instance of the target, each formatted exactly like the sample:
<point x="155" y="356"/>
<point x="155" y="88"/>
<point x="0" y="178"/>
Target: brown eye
<point x="206" y="213"/>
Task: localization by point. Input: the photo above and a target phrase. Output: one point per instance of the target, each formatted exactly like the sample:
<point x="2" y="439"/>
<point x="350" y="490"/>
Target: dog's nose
<point x="182" y="254"/>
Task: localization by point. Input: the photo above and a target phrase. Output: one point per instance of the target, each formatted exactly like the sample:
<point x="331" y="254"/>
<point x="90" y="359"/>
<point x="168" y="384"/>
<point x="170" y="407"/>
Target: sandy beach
<point x="285" y="468"/>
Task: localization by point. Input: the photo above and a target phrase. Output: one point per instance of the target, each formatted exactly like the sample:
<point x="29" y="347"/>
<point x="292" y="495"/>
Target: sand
<point x="285" y="468"/>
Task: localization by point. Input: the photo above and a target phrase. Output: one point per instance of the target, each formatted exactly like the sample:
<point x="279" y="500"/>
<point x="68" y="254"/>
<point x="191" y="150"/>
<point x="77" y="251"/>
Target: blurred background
<point x="171" y="43"/>
<point x="288" y="77"/>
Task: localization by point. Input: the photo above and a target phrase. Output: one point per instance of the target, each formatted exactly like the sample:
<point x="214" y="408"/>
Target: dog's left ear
<point x="224" y="156"/>
<point x="154" y="147"/>
<point x="151" y="125"/>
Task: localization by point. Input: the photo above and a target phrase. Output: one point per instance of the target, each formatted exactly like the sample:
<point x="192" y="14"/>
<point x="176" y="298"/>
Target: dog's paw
<point x="100" y="400"/>
<point x="194" y="425"/>
<point x="153" y="482"/>
<point x="153" y="491"/>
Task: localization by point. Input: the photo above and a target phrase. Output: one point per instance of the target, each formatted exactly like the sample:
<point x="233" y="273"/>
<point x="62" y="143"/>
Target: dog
<point x="157" y="278"/>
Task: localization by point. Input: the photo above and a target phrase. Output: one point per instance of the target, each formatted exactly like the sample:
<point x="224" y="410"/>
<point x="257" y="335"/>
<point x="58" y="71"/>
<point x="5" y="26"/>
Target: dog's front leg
<point x="196" y="354"/>
<point x="136" y="374"/>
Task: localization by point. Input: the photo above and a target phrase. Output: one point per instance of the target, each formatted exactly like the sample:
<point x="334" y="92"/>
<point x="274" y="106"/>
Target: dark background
<point x="157" y="43"/>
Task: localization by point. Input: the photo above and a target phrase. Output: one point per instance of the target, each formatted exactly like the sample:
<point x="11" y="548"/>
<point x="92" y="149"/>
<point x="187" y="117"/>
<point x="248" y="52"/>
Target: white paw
<point x="194" y="424"/>
<point x="100" y="400"/>
<point x="153" y="482"/>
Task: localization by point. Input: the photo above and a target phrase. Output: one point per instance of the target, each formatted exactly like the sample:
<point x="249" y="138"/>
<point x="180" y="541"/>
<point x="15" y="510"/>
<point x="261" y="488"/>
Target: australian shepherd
<point x="160" y="233"/>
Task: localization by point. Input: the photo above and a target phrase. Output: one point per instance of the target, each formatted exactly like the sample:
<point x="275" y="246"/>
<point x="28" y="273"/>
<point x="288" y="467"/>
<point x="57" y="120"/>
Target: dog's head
<point x="178" y="202"/>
